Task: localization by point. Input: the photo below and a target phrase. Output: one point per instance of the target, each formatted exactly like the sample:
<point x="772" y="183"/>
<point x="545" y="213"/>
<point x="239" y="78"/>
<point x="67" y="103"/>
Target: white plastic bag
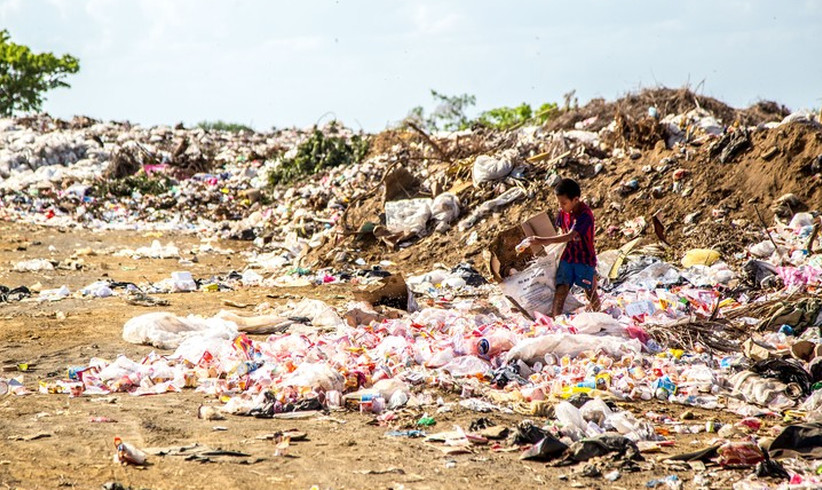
<point x="503" y="199"/>
<point x="487" y="169"/>
<point x="564" y="344"/>
<point x="533" y="289"/>
<point x="33" y="265"/>
<point x="317" y="376"/>
<point x="166" y="331"/>
<point x="445" y="208"/>
<point x="319" y="313"/>
<point x="595" y="322"/>
<point x="466" y="366"/>
<point x="408" y="216"/>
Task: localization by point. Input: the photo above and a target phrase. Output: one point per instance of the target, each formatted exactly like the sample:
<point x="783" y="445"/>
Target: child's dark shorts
<point x="580" y="274"/>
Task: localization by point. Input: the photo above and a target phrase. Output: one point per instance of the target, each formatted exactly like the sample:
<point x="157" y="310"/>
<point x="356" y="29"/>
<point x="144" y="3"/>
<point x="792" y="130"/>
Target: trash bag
<point x="740" y="453"/>
<point x="762" y="391"/>
<point x="564" y="344"/>
<point x="533" y="288"/>
<point x="318" y="376"/>
<point x="786" y="371"/>
<point x="488" y="169"/>
<point x="167" y="331"/>
<point x="506" y="374"/>
<point x="445" y="208"/>
<point x="318" y="313"/>
<point x="595" y="322"/>
<point x="760" y="274"/>
<point x="606" y="444"/>
<point x="527" y="433"/>
<point x="545" y="450"/>
<point x="8" y="295"/>
<point x="408" y="216"/>
<point x="771" y="469"/>
<point x="798" y="440"/>
<point x="469" y="275"/>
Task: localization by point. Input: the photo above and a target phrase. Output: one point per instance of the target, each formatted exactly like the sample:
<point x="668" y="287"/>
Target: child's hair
<point x="568" y="188"/>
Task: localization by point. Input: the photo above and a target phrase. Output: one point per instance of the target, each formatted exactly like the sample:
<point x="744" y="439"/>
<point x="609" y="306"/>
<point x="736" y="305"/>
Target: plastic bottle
<point x="492" y="345"/>
<point x="128" y="454"/>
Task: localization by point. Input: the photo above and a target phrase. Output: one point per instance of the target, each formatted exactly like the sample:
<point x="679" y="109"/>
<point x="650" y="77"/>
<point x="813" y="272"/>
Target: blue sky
<point x="285" y="63"/>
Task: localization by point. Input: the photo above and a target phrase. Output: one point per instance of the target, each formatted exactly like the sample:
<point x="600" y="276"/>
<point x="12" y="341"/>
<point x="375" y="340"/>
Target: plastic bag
<point x="488" y="169"/>
<point x="183" y="282"/>
<point x="741" y="453"/>
<point x="408" y="216"/>
<point x="33" y="265"/>
<point x="801" y="220"/>
<point x="595" y="411"/>
<point x="564" y="344"/>
<point x="445" y="208"/>
<point x="659" y="273"/>
<point x="503" y="199"/>
<point x="764" y="392"/>
<point x="533" y="289"/>
<point x="569" y="416"/>
<point x="594" y="322"/>
<point x="466" y="366"/>
<point x="167" y="331"/>
<point x="319" y="313"/>
<point x="317" y="376"/>
<point x="763" y="249"/>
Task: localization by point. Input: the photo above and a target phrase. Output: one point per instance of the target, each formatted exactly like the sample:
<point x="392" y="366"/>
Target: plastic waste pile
<point x="699" y="332"/>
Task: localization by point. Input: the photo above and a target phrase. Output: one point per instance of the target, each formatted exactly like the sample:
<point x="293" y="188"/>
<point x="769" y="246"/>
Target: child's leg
<point x="559" y="299"/>
<point x="593" y="297"/>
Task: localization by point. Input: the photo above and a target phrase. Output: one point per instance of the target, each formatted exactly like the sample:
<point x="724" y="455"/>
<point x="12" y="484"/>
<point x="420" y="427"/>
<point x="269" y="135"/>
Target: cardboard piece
<point x="503" y="257"/>
<point x="390" y="291"/>
<point x="400" y="184"/>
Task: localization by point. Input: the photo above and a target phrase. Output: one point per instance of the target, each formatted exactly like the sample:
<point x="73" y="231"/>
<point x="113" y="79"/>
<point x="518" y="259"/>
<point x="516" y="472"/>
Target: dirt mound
<point x="701" y="201"/>
<point x="667" y="101"/>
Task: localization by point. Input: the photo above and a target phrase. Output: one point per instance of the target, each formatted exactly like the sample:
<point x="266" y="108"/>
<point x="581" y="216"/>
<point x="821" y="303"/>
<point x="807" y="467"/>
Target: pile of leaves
<point x="317" y="153"/>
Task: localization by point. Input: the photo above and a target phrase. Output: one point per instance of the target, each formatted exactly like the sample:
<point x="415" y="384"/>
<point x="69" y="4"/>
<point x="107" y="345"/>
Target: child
<point x="578" y="262"/>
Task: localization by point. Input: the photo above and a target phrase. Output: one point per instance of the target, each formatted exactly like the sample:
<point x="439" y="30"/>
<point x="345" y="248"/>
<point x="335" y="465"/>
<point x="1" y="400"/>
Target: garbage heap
<point x="731" y="324"/>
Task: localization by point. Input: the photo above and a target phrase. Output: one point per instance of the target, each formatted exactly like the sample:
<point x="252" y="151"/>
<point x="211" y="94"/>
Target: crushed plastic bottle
<point x="127" y="454"/>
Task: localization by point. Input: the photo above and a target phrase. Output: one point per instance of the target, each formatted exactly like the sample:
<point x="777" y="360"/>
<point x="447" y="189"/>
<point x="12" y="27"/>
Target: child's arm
<point x="547" y="240"/>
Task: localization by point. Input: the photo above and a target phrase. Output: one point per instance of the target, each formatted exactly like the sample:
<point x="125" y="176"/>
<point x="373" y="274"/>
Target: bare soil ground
<point x="342" y="448"/>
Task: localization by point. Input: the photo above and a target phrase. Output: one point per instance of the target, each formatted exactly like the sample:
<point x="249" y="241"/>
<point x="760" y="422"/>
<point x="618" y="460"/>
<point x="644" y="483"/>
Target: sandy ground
<point x="343" y="450"/>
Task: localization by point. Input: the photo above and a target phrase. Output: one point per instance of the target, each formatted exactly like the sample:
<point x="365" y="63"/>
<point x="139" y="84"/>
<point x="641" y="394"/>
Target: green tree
<point x="26" y="76"/>
<point x="451" y="110"/>
<point x="505" y="117"/>
<point x="449" y="113"/>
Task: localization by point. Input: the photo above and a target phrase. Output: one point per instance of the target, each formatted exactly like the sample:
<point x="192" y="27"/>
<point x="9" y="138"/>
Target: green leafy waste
<point x="317" y="153"/>
<point x="139" y="182"/>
